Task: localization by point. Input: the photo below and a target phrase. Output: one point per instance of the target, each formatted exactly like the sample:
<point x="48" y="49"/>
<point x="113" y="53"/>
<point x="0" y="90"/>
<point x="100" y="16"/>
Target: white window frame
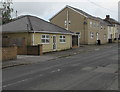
<point x="94" y="24"/>
<point x="45" y="39"/>
<point x="101" y="27"/>
<point x="63" y="38"/>
<point x="80" y="35"/>
<point x="65" y="22"/>
<point x="105" y="36"/>
<point x="91" y="35"/>
<point x="91" y="23"/>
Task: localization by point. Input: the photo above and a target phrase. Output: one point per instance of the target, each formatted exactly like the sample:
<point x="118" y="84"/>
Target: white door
<point x="54" y="43"/>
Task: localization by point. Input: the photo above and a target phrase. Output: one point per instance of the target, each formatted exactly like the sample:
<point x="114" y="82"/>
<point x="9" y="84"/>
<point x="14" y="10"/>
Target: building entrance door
<point x="54" y="43"/>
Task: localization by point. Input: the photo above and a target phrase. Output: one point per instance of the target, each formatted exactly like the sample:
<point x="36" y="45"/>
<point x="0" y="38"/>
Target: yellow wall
<point x="37" y="40"/>
<point x="77" y="25"/>
<point x="49" y="47"/>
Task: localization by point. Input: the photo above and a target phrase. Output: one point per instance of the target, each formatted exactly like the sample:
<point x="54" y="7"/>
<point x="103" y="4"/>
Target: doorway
<point x="54" y="43"/>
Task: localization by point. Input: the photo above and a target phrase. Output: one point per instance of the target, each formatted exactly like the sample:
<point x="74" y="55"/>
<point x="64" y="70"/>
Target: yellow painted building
<point x="37" y="31"/>
<point x="90" y="28"/>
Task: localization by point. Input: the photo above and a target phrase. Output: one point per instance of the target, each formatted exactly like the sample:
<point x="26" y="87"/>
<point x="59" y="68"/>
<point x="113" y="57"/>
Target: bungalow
<point x="38" y="31"/>
<point x="89" y="28"/>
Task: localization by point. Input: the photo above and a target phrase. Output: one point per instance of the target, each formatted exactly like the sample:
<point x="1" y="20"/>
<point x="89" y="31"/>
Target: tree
<point x="6" y="12"/>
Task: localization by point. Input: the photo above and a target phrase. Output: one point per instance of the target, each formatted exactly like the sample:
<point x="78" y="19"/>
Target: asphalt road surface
<point x="96" y="70"/>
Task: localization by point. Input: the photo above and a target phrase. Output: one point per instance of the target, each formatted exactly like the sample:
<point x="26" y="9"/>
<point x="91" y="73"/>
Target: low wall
<point x="9" y="53"/>
<point x="22" y="50"/>
<point x="34" y="50"/>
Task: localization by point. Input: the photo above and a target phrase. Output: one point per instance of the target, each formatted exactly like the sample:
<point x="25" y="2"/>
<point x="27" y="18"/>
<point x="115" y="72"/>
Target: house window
<point x="105" y="36"/>
<point x="90" y="23"/>
<point x="65" y="22"/>
<point x="97" y="24"/>
<point x="69" y="22"/>
<point x="62" y="39"/>
<point x="94" y="24"/>
<point x="101" y="27"/>
<point x="45" y="39"/>
<point x="91" y="35"/>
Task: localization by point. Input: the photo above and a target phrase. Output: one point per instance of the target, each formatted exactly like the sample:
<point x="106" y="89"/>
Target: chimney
<point x="107" y="16"/>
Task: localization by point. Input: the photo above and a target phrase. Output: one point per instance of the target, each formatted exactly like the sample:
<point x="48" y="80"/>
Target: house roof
<point x="82" y="12"/>
<point x="32" y="24"/>
<point x="103" y="22"/>
<point x="112" y="21"/>
<point x="78" y="11"/>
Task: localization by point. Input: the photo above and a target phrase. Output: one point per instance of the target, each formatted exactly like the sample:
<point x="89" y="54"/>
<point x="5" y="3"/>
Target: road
<point x="96" y="70"/>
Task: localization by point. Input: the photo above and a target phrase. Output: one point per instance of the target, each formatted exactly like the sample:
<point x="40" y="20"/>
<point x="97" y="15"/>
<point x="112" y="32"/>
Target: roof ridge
<point x="50" y="23"/>
<point x="29" y="21"/>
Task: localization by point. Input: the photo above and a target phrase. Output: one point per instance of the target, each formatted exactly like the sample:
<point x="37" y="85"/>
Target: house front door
<point x="54" y="43"/>
<point x="75" y="41"/>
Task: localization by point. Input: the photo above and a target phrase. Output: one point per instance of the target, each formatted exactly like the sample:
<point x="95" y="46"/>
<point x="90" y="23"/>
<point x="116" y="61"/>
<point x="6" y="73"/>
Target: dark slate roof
<point x="32" y="24"/>
<point x="112" y="21"/>
<point x="103" y="22"/>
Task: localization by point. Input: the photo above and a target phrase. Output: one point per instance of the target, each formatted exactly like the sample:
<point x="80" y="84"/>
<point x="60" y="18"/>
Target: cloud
<point x="46" y="10"/>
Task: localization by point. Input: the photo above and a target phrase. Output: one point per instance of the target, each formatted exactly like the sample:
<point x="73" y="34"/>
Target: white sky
<point x="45" y="9"/>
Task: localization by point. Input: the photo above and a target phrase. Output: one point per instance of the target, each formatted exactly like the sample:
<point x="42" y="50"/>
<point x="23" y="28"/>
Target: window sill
<point x="62" y="42"/>
<point x="45" y="43"/>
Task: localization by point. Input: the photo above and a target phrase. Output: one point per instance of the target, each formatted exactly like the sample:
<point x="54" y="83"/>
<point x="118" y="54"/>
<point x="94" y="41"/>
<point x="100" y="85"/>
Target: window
<point x="69" y="22"/>
<point x="105" y="36"/>
<point x="97" y="24"/>
<point x="65" y="22"/>
<point x="90" y="23"/>
<point x="45" y="39"/>
<point x="101" y="27"/>
<point x="94" y="25"/>
<point x="91" y="35"/>
<point x="62" y="39"/>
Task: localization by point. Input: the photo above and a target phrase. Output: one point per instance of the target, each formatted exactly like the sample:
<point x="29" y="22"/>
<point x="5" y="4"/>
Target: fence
<point x="22" y="48"/>
<point x="34" y="50"/>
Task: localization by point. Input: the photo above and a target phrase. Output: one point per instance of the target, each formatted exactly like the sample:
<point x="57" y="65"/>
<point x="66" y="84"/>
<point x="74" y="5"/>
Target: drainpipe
<point x="84" y="29"/>
<point x="67" y="20"/>
<point x="33" y="37"/>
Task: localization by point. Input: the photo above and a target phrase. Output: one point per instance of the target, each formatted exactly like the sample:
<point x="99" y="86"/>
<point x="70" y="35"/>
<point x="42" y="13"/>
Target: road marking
<point x="52" y="71"/>
<point x="76" y="64"/>
<point x="20" y="81"/>
<point x="97" y="49"/>
<point x="58" y="70"/>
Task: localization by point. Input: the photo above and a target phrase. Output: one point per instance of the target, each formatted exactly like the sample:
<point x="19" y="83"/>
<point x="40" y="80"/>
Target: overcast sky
<point x="45" y="9"/>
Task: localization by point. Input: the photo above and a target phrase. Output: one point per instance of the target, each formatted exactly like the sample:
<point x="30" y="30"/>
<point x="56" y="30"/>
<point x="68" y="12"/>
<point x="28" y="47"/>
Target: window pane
<point x="63" y="40"/>
<point x="47" y="40"/>
<point x="60" y="36"/>
<point x="43" y="40"/>
<point x="47" y="36"/>
<point x="43" y="36"/>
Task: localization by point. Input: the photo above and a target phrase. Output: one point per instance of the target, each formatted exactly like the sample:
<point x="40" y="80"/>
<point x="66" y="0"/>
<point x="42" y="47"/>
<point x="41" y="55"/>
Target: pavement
<point x="29" y="59"/>
<point x="90" y="70"/>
